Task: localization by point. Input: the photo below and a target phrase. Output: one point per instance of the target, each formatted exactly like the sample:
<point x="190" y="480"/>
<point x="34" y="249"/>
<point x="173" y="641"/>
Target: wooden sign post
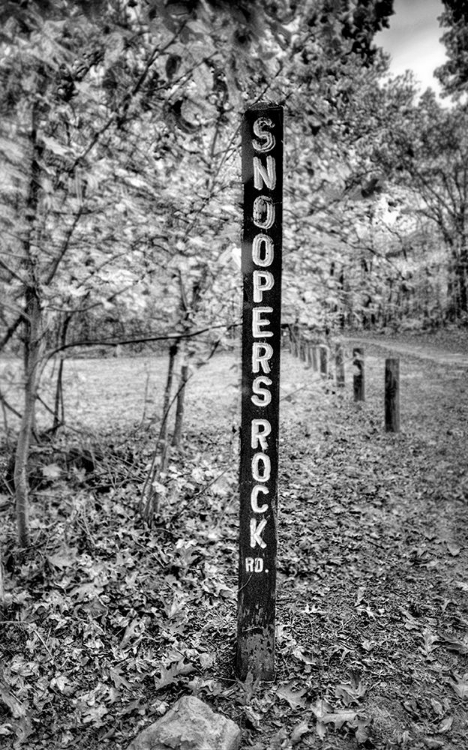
<point x="262" y="175"/>
<point x="392" y="395"/>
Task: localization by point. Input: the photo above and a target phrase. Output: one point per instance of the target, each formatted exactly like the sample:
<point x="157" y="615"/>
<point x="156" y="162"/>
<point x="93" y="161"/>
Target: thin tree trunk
<point x="33" y="336"/>
<point x="59" y="409"/>
<point x="180" y="409"/>
<point x="34" y="339"/>
<point x="150" y="495"/>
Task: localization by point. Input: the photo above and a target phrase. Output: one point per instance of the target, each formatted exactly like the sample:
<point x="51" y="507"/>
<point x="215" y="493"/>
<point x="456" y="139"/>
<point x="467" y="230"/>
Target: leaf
<point x="461" y="686"/>
<point x="305" y="656"/>
<point x="117" y="678"/>
<point x="298" y="732"/>
<point x="295" y="698"/>
<point x="252" y="717"/>
<point x="18" y="710"/>
<point x="446" y="724"/>
<point x="169" y="676"/>
<point x="52" y="471"/>
<point x="360" y="595"/>
<point x="453" y="644"/>
<point x="321" y="709"/>
<point x="362" y="735"/>
<point x="350" y="692"/>
<point x="62" y="559"/>
<point x="454" y="549"/>
<point x="338" y="718"/>
<point x="129" y="632"/>
<point x="94" y="714"/>
<point x="430" y="642"/>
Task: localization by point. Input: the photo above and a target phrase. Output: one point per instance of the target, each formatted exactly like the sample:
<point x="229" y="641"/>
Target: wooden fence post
<point x="392" y="395"/>
<point x="262" y="175"/>
<point x="323" y="360"/>
<point x="359" y="380"/>
<point x="303" y="350"/>
<point x="314" y="358"/>
<point x="339" y="366"/>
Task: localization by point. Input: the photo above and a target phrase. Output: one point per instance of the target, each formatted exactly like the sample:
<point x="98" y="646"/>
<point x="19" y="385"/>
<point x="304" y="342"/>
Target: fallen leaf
<point x="18" y="710"/>
<point x="461" y="686"/>
<point x="453" y="644"/>
<point x="446" y="724"/>
<point x="299" y="731"/>
<point x="295" y="698"/>
<point x="252" y="717"/>
<point x="168" y="676"/>
<point x="52" y="471"/>
<point x="338" y="718"/>
<point x="129" y="632"/>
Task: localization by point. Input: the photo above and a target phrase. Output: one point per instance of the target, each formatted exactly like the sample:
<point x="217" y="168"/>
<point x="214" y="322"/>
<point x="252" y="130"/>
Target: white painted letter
<point x="264" y="175"/>
<point x="254" y="499"/>
<point x="258" y="129"/>
<point x="261" y="428"/>
<point x="258" y="564"/>
<point x="258" y="322"/>
<point x="267" y="260"/>
<point x="268" y="281"/>
<point x="249" y="564"/>
<point x="263" y="212"/>
<point x="255" y="532"/>
<point x="261" y="353"/>
<point x="266" y="471"/>
<point x="263" y="395"/>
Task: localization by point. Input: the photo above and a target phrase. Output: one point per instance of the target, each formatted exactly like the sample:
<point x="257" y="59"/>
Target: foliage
<point x="426" y="153"/>
<point x="106" y="623"/>
<point x="453" y="74"/>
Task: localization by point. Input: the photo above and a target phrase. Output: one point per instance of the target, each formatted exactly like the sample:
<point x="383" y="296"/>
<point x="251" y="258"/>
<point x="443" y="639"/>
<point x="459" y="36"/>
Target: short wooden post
<point x="392" y="395"/>
<point x="323" y="360"/>
<point x="314" y="358"/>
<point x="339" y="366"/>
<point x="359" y="380"/>
<point x="303" y="350"/>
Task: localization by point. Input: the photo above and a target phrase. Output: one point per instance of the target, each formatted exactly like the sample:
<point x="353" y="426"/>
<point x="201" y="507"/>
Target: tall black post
<point x="262" y="175"/>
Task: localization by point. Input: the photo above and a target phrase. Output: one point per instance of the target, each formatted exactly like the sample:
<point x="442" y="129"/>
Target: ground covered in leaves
<point x="107" y="622"/>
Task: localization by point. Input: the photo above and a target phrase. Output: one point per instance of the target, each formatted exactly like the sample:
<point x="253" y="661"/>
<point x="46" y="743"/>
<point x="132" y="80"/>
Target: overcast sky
<point x="413" y="39"/>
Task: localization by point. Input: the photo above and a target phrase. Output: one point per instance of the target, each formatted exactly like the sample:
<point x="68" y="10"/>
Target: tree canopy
<point x="453" y="74"/>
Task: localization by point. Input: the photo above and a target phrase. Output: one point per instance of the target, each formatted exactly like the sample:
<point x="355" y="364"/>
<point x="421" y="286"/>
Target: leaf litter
<point x="106" y="622"/>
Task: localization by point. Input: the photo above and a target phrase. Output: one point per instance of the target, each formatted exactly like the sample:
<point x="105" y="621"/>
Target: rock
<point x="189" y="725"/>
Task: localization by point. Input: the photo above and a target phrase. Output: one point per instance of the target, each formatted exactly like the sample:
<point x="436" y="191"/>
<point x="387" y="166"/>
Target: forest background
<point x="121" y="191"/>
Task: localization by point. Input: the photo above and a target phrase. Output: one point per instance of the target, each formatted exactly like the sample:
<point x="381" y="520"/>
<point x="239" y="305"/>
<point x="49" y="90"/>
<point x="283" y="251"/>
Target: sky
<point x="413" y="39"/>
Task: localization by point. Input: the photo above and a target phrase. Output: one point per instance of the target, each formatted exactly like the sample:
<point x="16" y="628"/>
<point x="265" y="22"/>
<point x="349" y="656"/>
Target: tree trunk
<point x="33" y="349"/>
<point x="179" y="418"/>
<point x="59" y="410"/>
<point x="33" y="334"/>
<point x="150" y="494"/>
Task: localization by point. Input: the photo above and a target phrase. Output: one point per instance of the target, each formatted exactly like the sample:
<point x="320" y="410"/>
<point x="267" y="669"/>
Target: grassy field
<point x="107" y="621"/>
<point x="126" y="391"/>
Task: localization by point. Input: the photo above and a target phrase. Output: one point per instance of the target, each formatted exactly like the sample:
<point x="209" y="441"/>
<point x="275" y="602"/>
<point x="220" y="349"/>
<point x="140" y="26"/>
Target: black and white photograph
<point x="233" y="374"/>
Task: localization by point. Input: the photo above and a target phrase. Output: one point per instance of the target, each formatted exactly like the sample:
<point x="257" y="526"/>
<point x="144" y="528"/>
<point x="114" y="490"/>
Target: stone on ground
<point x="189" y="725"/>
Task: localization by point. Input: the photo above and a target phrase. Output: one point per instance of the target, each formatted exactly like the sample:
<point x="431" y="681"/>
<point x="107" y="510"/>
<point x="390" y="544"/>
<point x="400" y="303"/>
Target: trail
<point x="422" y="351"/>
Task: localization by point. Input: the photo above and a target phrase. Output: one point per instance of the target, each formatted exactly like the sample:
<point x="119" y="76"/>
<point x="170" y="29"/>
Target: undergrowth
<point x="106" y="622"/>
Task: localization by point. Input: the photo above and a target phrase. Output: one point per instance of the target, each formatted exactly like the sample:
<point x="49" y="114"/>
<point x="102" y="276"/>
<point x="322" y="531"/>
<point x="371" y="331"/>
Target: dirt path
<point x="423" y="351"/>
